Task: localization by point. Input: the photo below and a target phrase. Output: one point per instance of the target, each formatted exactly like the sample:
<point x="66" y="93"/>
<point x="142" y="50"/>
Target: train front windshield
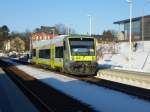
<point x="82" y="46"/>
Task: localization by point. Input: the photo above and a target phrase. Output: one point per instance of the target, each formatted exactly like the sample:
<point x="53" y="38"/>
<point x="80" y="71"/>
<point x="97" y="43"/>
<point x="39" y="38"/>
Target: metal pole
<point x="90" y="17"/>
<point x="68" y="30"/>
<point x="90" y="25"/>
<point x="30" y="43"/>
<point x="130" y="30"/>
<point x="143" y="29"/>
<point x="53" y="32"/>
<point x="130" y="44"/>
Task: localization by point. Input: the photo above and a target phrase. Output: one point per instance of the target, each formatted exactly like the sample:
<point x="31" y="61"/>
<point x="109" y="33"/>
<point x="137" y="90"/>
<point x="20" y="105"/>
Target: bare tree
<point x="61" y="28"/>
<point x="4" y="35"/>
<point x="18" y="44"/>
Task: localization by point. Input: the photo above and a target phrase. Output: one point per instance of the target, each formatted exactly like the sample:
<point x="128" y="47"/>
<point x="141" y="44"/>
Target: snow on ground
<point x="117" y="56"/>
<point x="100" y="98"/>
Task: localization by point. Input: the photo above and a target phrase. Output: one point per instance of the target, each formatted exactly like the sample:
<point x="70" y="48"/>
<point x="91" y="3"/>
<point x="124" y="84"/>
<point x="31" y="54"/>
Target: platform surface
<point x="11" y="98"/>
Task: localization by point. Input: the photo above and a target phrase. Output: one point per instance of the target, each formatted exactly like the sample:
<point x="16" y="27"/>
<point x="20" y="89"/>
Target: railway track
<point x="44" y="97"/>
<point x="118" y="86"/>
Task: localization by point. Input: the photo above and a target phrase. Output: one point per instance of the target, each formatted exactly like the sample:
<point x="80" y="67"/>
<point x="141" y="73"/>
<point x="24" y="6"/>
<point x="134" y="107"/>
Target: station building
<point x="140" y="26"/>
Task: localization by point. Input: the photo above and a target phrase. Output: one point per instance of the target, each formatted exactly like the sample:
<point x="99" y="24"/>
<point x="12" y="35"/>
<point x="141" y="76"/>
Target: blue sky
<point x="21" y="15"/>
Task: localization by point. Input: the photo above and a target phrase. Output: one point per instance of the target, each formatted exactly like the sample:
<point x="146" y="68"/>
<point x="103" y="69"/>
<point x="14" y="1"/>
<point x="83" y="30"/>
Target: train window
<point x="47" y="53"/>
<point x="44" y="53"/>
<point x="33" y="52"/>
<point x="59" y="52"/>
<point x="41" y="53"/>
<point x="82" y="47"/>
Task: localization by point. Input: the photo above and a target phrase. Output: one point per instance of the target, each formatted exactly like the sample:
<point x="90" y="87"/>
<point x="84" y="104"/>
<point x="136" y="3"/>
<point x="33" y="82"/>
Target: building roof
<point x="133" y="19"/>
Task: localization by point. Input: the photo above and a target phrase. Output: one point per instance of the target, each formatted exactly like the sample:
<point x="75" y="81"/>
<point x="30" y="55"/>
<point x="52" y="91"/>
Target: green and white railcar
<point x="72" y="54"/>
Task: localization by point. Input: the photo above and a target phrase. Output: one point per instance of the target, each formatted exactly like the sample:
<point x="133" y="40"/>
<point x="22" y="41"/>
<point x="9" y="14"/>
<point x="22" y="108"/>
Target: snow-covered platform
<point x="11" y="98"/>
<point x="133" y="78"/>
<point x="100" y="98"/>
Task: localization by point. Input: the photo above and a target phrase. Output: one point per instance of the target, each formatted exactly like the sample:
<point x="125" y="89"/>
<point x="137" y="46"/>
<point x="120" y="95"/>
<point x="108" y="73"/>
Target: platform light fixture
<point x="90" y="23"/>
<point x="53" y="30"/>
<point x="130" y="34"/>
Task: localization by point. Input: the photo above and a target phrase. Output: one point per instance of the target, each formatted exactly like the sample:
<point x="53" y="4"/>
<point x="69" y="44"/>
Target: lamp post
<point x="90" y="18"/>
<point x="53" y="30"/>
<point x="68" y="30"/>
<point x="130" y="46"/>
<point x="30" y="44"/>
<point x="143" y="22"/>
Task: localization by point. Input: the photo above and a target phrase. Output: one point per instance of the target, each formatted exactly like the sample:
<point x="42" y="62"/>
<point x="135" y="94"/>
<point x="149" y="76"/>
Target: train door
<point x="65" y="56"/>
<point x="52" y="55"/>
<point x="37" y="56"/>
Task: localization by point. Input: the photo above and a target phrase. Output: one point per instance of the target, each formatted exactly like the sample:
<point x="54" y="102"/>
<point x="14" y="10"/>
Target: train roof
<point x="57" y="39"/>
<point x="40" y="43"/>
